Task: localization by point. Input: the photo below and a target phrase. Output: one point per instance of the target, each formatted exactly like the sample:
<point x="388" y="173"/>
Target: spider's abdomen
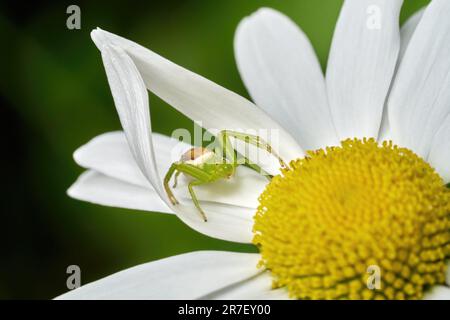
<point x="197" y="156"/>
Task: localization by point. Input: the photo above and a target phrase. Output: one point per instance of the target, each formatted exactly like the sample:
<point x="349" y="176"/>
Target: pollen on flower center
<point x="333" y="214"/>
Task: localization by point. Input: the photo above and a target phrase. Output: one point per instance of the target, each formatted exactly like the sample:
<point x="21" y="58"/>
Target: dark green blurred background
<point x="54" y="97"/>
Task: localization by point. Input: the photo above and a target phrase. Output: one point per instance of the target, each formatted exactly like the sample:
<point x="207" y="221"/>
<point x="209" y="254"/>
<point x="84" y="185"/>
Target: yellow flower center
<point x="359" y="221"/>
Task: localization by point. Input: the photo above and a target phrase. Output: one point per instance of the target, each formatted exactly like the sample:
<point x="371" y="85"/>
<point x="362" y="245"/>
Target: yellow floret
<point x="331" y="215"/>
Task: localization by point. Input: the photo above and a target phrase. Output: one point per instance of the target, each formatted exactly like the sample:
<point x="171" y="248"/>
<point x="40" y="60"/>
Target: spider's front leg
<point x="200" y="175"/>
<point x="230" y="154"/>
<point x="251" y="139"/>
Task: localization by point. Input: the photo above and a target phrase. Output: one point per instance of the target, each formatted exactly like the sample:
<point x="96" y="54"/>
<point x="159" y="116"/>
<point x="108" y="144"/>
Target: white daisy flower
<point x="323" y="221"/>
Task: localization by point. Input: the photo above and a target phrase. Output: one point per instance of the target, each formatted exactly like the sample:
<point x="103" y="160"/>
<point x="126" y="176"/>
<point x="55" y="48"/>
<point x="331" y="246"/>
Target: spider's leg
<point x="173" y="168"/>
<point x="255" y="167"/>
<point x="201" y="176"/>
<point x="194" y="197"/>
<point x="256" y="141"/>
<point x="175" y="179"/>
<point x="226" y="148"/>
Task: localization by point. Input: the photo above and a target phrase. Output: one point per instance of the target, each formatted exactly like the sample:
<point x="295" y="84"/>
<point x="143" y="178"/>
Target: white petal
<point x="243" y="189"/>
<point x="198" y="98"/>
<point x="406" y="33"/>
<point x="438" y="293"/>
<point x="361" y="64"/>
<point x="131" y="101"/>
<point x="186" y="276"/>
<point x="280" y="70"/>
<point x="439" y="156"/>
<point x="230" y="222"/>
<point x="258" y="287"/>
<point x="226" y="222"/>
<point x="385" y="130"/>
<point x="420" y="96"/>
<point x="109" y="154"/>
<point x="97" y="188"/>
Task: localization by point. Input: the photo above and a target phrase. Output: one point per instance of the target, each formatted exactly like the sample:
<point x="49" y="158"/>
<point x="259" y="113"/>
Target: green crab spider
<point x="207" y="166"/>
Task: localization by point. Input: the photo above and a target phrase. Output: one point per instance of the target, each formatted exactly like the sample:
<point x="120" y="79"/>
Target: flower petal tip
<point x="265" y="11"/>
<point x="261" y="13"/>
<point x="99" y="37"/>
